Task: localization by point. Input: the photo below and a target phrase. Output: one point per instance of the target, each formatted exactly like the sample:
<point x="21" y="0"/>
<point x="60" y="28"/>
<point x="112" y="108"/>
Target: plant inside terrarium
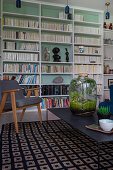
<point x="82" y="95"/>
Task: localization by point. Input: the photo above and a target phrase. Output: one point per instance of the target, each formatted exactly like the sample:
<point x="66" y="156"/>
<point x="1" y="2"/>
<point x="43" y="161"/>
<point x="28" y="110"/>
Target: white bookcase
<point x="108" y="60"/>
<point x="27" y="31"/>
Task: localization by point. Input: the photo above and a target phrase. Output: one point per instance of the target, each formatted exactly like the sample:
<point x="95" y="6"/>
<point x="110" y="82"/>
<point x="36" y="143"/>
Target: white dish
<point x="106" y="124"/>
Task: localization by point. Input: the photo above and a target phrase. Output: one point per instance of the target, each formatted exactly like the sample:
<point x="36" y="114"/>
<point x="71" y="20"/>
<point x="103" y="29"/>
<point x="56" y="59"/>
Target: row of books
<point x="21" y="35"/>
<point x="55" y="90"/>
<point x="87" y="59"/>
<point x="23" y="79"/>
<point x="92" y="69"/>
<point x="87" y="50"/>
<point x="20" y="22"/>
<point x="20" y="56"/>
<point x="56" y="26"/>
<point x="21" y="46"/>
<point x="63" y="15"/>
<point x="54" y="102"/>
<point x="56" y="38"/>
<point x="86" y="40"/>
<point x="78" y="17"/>
<point x="56" y="69"/>
<point x="24" y="68"/>
<point x="24" y="87"/>
<point x="89" y="30"/>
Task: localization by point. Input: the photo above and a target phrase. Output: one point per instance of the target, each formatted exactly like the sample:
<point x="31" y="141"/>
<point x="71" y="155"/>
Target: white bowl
<point x="106" y="124"/>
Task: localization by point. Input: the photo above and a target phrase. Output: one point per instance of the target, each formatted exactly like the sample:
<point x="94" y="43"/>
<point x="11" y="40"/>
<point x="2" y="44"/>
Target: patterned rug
<point x="56" y="146"/>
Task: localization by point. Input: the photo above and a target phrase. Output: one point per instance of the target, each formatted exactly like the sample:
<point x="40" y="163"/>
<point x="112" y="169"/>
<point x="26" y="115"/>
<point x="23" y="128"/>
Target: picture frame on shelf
<point x="110" y="82"/>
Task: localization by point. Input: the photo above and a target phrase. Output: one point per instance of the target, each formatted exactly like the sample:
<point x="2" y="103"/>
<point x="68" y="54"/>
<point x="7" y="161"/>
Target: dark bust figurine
<point x="67" y="55"/>
<point x="56" y="57"/>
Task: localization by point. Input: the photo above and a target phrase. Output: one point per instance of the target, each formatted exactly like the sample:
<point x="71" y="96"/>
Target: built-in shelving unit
<point x="30" y="34"/>
<point x="108" y="61"/>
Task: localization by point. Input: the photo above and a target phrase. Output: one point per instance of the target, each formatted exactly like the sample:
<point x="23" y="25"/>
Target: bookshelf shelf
<point x="108" y="45"/>
<point x="89" y="45"/>
<point x="20" y="73"/>
<point x="56" y="31"/>
<point x="56" y="19"/>
<point x="51" y="42"/>
<point x="106" y="89"/>
<point x="108" y="30"/>
<point x="55" y="96"/>
<point x="20" y="15"/>
<point x="11" y="61"/>
<point x="90" y="34"/>
<point x="20" y="40"/>
<point x="108" y="59"/>
<point x="108" y="74"/>
<point x="88" y="63"/>
<point x="18" y="28"/>
<point x="20" y="51"/>
<point x="50" y="62"/>
<point x="87" y="54"/>
<point x="56" y="73"/>
<point x="53" y="84"/>
<point x="87" y="23"/>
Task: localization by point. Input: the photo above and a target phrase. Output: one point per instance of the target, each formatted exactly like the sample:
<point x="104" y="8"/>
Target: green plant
<point x="104" y="110"/>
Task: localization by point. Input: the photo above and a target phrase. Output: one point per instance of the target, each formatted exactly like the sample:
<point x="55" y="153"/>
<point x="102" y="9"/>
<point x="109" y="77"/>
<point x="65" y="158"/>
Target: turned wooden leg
<point x="39" y="113"/>
<point x="14" y="110"/>
<point x="22" y="114"/>
<point x="3" y="102"/>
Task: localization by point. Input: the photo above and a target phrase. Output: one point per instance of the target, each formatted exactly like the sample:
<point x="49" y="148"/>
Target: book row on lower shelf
<point x="21" y="46"/>
<point x="87" y="40"/>
<point x="23" y="79"/>
<point x="20" y="22"/>
<point x="92" y="69"/>
<point x="56" y="26"/>
<point x="87" y="59"/>
<point x="21" y="35"/>
<point x="24" y="68"/>
<point x="55" y="90"/>
<point x="20" y="56"/>
<point x="87" y="50"/>
<point x="54" y="102"/>
<point x="89" y="30"/>
<point x="56" y="69"/>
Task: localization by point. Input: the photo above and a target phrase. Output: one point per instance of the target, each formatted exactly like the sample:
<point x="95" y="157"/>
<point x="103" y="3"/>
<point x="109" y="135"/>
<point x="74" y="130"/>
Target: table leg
<point x="98" y="155"/>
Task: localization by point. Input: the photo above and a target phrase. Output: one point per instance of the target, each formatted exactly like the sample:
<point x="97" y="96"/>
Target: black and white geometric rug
<point x="56" y="146"/>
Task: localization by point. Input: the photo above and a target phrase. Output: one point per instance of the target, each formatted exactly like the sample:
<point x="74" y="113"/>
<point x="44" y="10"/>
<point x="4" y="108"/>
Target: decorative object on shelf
<point x="110" y="26"/>
<point x="67" y="8"/>
<point x="46" y="54"/>
<point x="67" y="55"/>
<point x="103" y="112"/>
<point x="69" y="16"/>
<point x="110" y="82"/>
<point x="83" y="95"/>
<point x="105" y="26"/>
<point x="18" y="3"/>
<point x="81" y="49"/>
<point x="106" y="69"/>
<point x="58" y="80"/>
<point x="56" y="57"/>
<point x="107" y="13"/>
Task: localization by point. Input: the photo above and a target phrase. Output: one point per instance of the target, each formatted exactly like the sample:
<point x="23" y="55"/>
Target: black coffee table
<point x="79" y="123"/>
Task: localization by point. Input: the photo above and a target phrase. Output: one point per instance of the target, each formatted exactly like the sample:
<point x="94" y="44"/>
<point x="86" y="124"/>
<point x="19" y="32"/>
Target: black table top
<point x="79" y="122"/>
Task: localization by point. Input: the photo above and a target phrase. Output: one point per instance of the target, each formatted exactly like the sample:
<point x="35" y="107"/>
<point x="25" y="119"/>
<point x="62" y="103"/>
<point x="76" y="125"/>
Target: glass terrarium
<point x="82" y="95"/>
